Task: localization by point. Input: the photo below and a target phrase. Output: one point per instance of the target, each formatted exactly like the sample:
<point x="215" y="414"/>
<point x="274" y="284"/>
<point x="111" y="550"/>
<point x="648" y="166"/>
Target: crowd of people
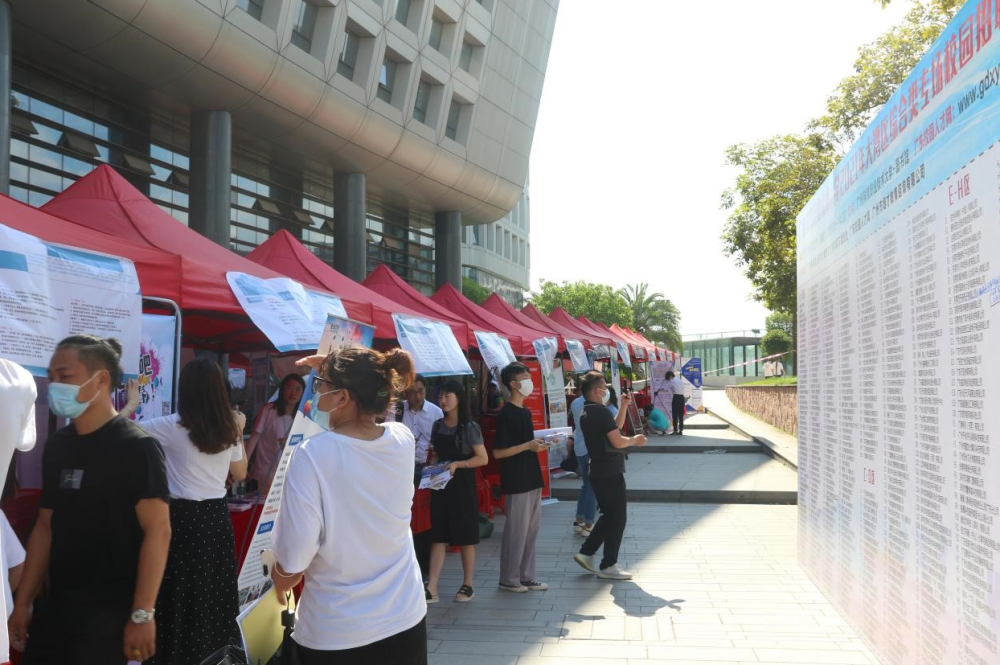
<point x="132" y="557"/>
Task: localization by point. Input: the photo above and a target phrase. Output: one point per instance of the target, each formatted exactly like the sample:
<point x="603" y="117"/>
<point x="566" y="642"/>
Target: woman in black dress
<point x="456" y="439"/>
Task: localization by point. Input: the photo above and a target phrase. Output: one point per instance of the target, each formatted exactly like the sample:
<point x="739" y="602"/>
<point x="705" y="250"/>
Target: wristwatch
<point x="140" y="616"/>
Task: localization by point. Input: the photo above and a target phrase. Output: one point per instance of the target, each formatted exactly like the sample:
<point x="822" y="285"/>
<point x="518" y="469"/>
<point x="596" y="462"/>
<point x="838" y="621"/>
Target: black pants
<point x="610" y="527"/>
<point x="406" y="648"/>
<point x="677" y="412"/>
<point x="77" y="631"/>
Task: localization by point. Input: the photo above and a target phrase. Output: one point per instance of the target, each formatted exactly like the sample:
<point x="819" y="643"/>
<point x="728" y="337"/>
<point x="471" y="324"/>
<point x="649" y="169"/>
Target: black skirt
<point x="197" y="606"/>
<point x="455" y="510"/>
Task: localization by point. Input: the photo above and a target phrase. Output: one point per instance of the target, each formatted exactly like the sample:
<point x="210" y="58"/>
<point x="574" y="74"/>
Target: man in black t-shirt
<point x="103" y="527"/>
<point x="606" y="448"/>
<point x="521" y="483"/>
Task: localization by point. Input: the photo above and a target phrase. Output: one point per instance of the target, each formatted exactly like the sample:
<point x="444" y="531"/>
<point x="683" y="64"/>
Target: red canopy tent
<point x="159" y="272"/>
<point x="520" y="337"/>
<point x="562" y="317"/>
<point x="284" y="253"/>
<point x="533" y="312"/>
<point x="104" y="201"/>
<point x="497" y="305"/>
<point x="630" y="337"/>
<point x="392" y="286"/>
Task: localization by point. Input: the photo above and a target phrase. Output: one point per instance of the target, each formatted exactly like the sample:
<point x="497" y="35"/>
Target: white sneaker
<point x="586" y="562"/>
<point x="614" y="572"/>
<point x="578" y="528"/>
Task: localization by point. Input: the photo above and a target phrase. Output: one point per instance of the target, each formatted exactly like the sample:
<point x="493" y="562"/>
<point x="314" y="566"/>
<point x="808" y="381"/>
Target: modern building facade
<point x="722" y="350"/>
<point x="376" y="131"/>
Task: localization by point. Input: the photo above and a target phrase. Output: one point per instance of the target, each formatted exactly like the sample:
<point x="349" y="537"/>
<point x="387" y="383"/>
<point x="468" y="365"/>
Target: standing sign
<point x="492" y="349"/>
<point x="555" y="390"/>
<point x="658" y="385"/>
<point x="536" y="401"/>
<point x="290" y="316"/>
<point x="623" y="353"/>
<point x="546" y="349"/>
<point x="48" y="292"/>
<point x="432" y="344"/>
<point x="899" y="375"/>
<point x="252" y="583"/>
<point x="578" y="355"/>
<point x="156" y="367"/>
<point x="691" y="375"/>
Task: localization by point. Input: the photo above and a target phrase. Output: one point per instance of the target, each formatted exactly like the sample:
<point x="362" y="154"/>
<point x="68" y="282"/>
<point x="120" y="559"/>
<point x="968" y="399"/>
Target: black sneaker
<point x="535" y="586"/>
<point x="513" y="588"/>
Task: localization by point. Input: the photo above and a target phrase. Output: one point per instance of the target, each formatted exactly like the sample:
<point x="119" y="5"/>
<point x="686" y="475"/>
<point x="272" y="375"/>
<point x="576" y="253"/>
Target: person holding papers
<point x="344" y="522"/>
<point x="455" y="439"/>
<point x="203" y="443"/>
<point x="103" y="526"/>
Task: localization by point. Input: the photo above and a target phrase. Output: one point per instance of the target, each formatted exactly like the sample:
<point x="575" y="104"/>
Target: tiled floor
<point x="714" y="584"/>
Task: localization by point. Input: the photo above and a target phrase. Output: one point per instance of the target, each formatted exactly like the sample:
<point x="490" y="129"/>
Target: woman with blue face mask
<point x="345" y="519"/>
<point x="103" y="527"/>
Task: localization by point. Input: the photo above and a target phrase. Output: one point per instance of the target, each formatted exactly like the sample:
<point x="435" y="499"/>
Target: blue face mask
<point x="63" y="399"/>
<point x="320" y="417"/>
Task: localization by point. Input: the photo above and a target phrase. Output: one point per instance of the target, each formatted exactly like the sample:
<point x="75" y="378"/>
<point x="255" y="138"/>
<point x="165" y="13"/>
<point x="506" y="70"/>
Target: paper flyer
<point x="435" y="476"/>
<point x="556" y="439"/>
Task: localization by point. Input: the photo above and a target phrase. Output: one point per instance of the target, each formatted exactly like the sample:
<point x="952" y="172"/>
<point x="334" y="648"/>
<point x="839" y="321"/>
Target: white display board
<point x="899" y="417"/>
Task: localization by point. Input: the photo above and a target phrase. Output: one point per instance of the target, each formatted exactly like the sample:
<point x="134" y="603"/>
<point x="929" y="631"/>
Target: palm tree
<point x="653" y="315"/>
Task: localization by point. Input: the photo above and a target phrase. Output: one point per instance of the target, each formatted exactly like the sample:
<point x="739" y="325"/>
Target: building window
<point x="516" y="258"/>
<point x="524" y="255"/>
<point x="465" y="59"/>
<point x="423" y="102"/>
<point x="304" y="26"/>
<point x="403" y="11"/>
<point x="387" y="79"/>
<point x="349" y="56"/>
<point x="499" y="241"/>
<point x="506" y="246"/>
<point x="253" y="7"/>
<point x="454" y="115"/>
<point x="437" y="31"/>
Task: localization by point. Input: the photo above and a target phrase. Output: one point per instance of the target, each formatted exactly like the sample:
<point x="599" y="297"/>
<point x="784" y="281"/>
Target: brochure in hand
<point x="435" y="476"/>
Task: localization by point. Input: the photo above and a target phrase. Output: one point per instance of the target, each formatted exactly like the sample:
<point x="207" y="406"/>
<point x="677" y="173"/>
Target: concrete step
<point x="762" y="497"/>
<point x="704" y="426"/>
<point x="697" y="448"/>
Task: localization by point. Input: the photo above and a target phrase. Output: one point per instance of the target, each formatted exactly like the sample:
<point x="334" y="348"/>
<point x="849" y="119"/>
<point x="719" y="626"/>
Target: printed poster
<point x="578" y="355"/>
<point x="546" y="349"/>
<point x="555" y="390"/>
<point x="658" y="385"/>
<point x="691" y="375"/>
<point x="290" y="316"/>
<point x="508" y="351"/>
<point x="556" y="439"/>
<point x="492" y="349"/>
<point x="252" y="583"/>
<point x="432" y="344"/>
<point x="623" y="353"/>
<point x="49" y="292"/>
<point x="156" y="368"/>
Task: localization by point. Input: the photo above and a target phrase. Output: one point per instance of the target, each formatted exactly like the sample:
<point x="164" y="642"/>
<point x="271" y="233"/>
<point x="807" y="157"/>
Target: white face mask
<point x="526" y="387"/>
<point x="607" y="397"/>
<point x="320" y="417"/>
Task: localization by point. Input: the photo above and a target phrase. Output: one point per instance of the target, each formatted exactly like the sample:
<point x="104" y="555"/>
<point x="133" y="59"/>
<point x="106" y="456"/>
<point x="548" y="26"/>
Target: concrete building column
<point x="6" y="73"/>
<point x="448" y="249"/>
<point x="211" y="171"/>
<point x="349" y="225"/>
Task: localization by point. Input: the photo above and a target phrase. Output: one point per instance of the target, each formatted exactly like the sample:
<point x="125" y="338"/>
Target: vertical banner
<point x="536" y="401"/>
<point x="578" y="355"/>
<point x="432" y="344"/>
<point x="555" y="391"/>
<point x="337" y="333"/>
<point x="658" y="386"/>
<point x="546" y="349"/>
<point x="156" y="368"/>
<point x="691" y="374"/>
<point x="623" y="353"/>
<point x="48" y="292"/>
<point x="616" y="377"/>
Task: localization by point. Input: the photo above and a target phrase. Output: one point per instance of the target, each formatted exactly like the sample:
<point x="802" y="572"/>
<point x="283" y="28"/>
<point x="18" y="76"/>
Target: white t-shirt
<point x="272" y="429"/>
<point x="11" y="555"/>
<point x="191" y="474"/>
<point x="345" y="521"/>
<point x="17" y="432"/>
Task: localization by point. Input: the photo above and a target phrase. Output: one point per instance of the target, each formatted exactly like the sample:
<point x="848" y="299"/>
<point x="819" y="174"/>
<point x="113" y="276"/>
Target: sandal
<point x="429" y="598"/>
<point x="465" y="594"/>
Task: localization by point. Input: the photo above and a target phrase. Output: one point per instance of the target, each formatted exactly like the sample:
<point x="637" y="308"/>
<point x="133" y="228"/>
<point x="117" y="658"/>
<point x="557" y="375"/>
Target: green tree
<point x="597" y="302"/>
<point x="653" y="315"/>
<point x="777" y="178"/>
<point x="783" y="321"/>
<point x="474" y="291"/>
<point x="775" y="341"/>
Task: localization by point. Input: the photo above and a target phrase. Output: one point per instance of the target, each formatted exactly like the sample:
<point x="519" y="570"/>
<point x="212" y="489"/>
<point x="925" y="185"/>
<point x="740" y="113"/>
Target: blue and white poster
<point x="546" y="349"/>
<point x="432" y="344"/>
<point x="492" y="349"/>
<point x="50" y="291"/>
<point x="898" y="378"/>
<point x="691" y="377"/>
<point x="578" y="355"/>
<point x="623" y="353"/>
<point x="290" y="316"/>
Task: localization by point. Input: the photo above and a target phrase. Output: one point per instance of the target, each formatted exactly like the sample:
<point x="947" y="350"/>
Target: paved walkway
<point x="714" y="585"/>
<point x="782" y="444"/>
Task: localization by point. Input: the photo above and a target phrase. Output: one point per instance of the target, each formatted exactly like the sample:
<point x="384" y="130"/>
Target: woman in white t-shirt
<point x="344" y="522"/>
<point x="203" y="444"/>
<point x="269" y="432"/>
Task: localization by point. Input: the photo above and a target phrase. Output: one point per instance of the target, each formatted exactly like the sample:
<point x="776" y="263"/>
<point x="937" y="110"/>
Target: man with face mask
<point x="103" y="527"/>
<point x="521" y="482"/>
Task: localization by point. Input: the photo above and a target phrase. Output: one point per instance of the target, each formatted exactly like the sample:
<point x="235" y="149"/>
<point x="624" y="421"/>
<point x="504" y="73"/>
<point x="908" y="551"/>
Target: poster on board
<point x="156" y="368"/>
<point x="432" y="344"/>
<point x="578" y="355"/>
<point x="658" y="386"/>
<point x="290" y="316"/>
<point x="49" y="292"/>
<point x="337" y="333"/>
<point x="555" y="392"/>
<point x="691" y="377"/>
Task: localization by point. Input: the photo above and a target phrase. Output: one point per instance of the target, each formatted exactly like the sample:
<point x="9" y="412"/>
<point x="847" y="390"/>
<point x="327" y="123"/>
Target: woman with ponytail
<point x="344" y="523"/>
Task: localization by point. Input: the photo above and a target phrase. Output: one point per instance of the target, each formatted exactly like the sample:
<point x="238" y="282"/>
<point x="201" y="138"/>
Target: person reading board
<point x="521" y="483"/>
<point x="606" y="445"/>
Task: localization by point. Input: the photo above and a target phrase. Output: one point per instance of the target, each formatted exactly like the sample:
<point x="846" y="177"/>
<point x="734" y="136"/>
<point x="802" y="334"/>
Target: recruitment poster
<point x="432" y="344"/>
<point x="555" y="391"/>
<point x="623" y="353"/>
<point x="658" y="385"/>
<point x="337" y="333"/>
<point x="691" y="377"/>
<point x="492" y="349"/>
<point x="546" y="349"/>
<point x="578" y="355"/>
<point x="49" y="291"/>
<point x="156" y="368"/>
<point x="290" y="316"/>
<point x="898" y="378"/>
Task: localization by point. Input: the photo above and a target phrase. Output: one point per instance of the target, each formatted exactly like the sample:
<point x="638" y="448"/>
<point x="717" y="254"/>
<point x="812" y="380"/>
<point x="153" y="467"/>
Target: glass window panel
<point x="403" y="11"/>
<point x="454" y="114"/>
<point x="38" y="199"/>
<point x="305" y="24"/>
<point x="437" y="31"/>
<point x="253" y="7"/>
<point x="102" y="153"/>
<point x="40" y="156"/>
<point x="19" y="194"/>
<point x="18" y="149"/>
<point x="78" y="123"/>
<point x="76" y="166"/>
<point x="422" y="102"/>
<point x="18" y="172"/>
<point x="47" y="134"/>
<point x="21" y="100"/>
<point x="465" y="59"/>
<point x="387" y="80"/>
<point x="349" y="56"/>
<point x="46" y="110"/>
